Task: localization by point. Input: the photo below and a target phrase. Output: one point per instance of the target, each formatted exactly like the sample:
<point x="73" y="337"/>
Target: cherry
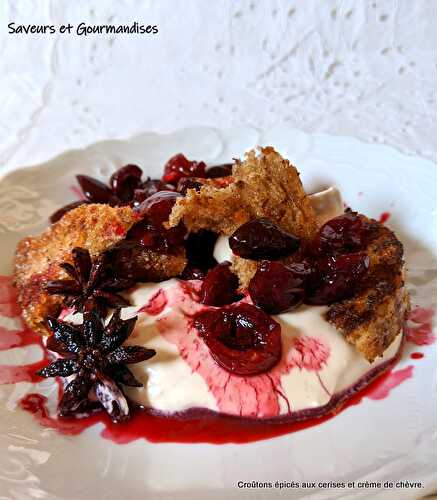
<point x="277" y="288"/>
<point x="96" y="191"/>
<point x="126" y="262"/>
<point x="158" y="206"/>
<point x="343" y="234"/>
<point x="187" y="183"/>
<point x="124" y="181"/>
<point x="200" y="249"/>
<point x="192" y="273"/>
<point x="125" y="188"/>
<point x="241" y="338"/>
<point x="150" y="231"/>
<point x="217" y="171"/>
<point x="219" y="286"/>
<point x="179" y="166"/>
<point x="261" y="239"/>
<point x="149" y="188"/>
<point x="338" y="276"/>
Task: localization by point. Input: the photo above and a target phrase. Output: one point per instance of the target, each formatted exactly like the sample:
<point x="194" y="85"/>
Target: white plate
<point x="394" y="439"/>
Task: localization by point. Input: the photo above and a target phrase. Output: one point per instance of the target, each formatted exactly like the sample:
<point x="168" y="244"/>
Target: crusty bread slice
<point x="264" y="185"/>
<point x="373" y="317"/>
<point x="94" y="227"/>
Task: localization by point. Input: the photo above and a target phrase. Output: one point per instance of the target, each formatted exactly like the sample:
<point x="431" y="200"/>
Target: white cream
<point x="344" y="367"/>
<point x="170" y="385"/>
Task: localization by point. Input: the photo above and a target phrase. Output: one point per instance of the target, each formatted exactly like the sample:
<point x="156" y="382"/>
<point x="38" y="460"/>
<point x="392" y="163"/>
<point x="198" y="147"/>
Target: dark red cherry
<point x="241" y="338"/>
<point x="192" y="273"/>
<point x="150" y="231"/>
<point x="343" y="234"/>
<point x="277" y="288"/>
<point x="62" y="211"/>
<point x="149" y="188"/>
<point x="200" y="249"/>
<point x="338" y="275"/>
<point x="158" y="206"/>
<point x="147" y="234"/>
<point x="187" y="183"/>
<point x="179" y="166"/>
<point x="96" y="191"/>
<point x="125" y="180"/>
<point x="217" y="171"/>
<point x="261" y="239"/>
<point x="220" y="286"/>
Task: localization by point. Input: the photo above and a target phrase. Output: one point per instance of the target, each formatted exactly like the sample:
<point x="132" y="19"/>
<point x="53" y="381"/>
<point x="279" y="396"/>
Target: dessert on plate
<point x="225" y="288"/>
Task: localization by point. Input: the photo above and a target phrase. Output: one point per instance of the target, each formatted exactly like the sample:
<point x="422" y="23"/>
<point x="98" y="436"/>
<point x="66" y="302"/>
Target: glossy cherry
<point x="277" y="288"/>
<point x="261" y="239"/>
<point x="217" y="171"/>
<point x="241" y="338"/>
<point x="96" y="191"/>
<point x="178" y="166"/>
<point x="148" y="188"/>
<point x="187" y="183"/>
<point x="150" y="231"/>
<point x="199" y="250"/>
<point x="124" y="181"/>
<point x="220" y="286"/>
<point x="343" y="234"/>
<point x="338" y="276"/>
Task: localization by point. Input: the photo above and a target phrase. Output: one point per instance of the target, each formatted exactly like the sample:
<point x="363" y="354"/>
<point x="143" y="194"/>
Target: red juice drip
<point x="417" y="355"/>
<point x="156" y="304"/>
<point x="21" y="373"/>
<point x="77" y="192"/>
<point x="383" y="218"/>
<point x="8" y="298"/>
<point x="396" y="378"/>
<point x="421" y="330"/>
<point x="17" y="338"/>
<point x="200" y="426"/>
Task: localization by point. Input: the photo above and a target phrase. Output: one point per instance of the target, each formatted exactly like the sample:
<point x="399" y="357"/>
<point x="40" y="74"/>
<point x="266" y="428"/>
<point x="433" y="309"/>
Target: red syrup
<point x="77" y="192"/>
<point x="156" y="304"/>
<point x="383" y="218"/>
<point x="194" y="425"/>
<point x="417" y="355"/>
<point x="203" y="426"/>
<point x="419" y="331"/>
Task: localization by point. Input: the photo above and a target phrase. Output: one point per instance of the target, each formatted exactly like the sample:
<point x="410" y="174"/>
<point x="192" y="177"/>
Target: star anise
<point x="91" y="284"/>
<point x="97" y="360"/>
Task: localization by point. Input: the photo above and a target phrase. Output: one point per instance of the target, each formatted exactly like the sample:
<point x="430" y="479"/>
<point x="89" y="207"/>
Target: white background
<point x="361" y="68"/>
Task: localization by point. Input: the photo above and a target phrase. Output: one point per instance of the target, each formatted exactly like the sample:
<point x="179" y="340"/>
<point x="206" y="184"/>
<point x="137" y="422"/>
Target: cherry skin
<point x="261" y="239"/>
<point x="343" y="234"/>
<point x="178" y="166"/>
<point x="124" y="181"/>
<point x="277" y="288"/>
<point x="219" y="286"/>
<point x="217" y="171"/>
<point x="241" y="338"/>
<point x="338" y="276"/>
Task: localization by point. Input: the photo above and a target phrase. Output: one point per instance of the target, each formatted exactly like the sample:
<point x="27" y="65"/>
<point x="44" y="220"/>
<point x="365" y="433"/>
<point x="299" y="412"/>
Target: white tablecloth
<point x="367" y="69"/>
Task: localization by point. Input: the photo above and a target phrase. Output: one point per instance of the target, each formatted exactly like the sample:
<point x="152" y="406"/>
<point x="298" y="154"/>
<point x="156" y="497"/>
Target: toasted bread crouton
<point x="373" y="317"/>
<point x="265" y="185"/>
<point x="93" y="227"/>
